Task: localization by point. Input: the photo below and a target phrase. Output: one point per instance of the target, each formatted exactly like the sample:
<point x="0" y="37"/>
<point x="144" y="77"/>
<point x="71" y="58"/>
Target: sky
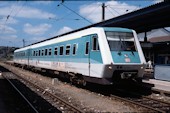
<point x="33" y="21"/>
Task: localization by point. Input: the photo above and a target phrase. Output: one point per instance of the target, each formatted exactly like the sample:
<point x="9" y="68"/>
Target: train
<point x="100" y="55"/>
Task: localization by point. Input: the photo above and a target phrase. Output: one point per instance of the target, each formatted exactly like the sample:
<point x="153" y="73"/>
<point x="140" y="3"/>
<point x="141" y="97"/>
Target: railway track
<point x="146" y="102"/>
<point x="20" y="93"/>
<point x="61" y="103"/>
<point x="58" y="102"/>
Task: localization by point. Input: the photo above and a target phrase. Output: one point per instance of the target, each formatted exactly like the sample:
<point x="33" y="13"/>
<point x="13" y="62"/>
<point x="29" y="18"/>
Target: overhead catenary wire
<point x="114" y="10"/>
<point x="7" y="18"/>
<point x="67" y="15"/>
<point x="133" y="9"/>
<point x="93" y="10"/>
<point x="12" y="9"/>
<point x="110" y="11"/>
<point x="75" y="12"/>
<point x="20" y="8"/>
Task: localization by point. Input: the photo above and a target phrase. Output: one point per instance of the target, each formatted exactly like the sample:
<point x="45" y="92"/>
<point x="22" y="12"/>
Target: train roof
<point x="105" y="29"/>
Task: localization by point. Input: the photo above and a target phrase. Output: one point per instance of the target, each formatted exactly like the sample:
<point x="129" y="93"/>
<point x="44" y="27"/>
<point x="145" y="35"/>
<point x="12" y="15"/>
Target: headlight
<point x="110" y="67"/>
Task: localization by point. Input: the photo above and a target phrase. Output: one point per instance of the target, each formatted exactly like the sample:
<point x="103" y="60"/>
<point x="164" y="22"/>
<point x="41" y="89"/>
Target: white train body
<point x="100" y="54"/>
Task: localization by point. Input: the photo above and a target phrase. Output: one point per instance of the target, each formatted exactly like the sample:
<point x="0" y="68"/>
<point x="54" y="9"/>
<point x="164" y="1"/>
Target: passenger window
<point x="68" y="50"/>
<point x="61" y="50"/>
<point x="46" y="51"/>
<point x="87" y="48"/>
<point x="49" y="52"/>
<point x="36" y="53"/>
<point x="95" y="43"/>
<point x="33" y="53"/>
<point x="74" y="49"/>
<point x="42" y="52"/>
<point x="56" y="51"/>
<point x="39" y="52"/>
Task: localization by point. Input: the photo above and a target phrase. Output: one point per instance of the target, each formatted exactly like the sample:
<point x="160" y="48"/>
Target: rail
<point x="144" y="101"/>
<point x="60" y="101"/>
<point x="20" y="93"/>
<point x="147" y="102"/>
<point x="54" y="97"/>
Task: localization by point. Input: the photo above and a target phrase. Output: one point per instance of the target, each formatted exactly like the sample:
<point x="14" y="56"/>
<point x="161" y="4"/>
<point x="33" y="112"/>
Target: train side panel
<point x="78" y="63"/>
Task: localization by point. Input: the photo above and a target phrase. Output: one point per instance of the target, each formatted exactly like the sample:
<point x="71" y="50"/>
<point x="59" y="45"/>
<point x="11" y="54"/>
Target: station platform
<point x="159" y="85"/>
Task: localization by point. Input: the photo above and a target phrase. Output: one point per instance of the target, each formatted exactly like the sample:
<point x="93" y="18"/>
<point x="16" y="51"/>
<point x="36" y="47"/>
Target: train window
<point x="34" y="53"/>
<point x="61" y="50"/>
<point x="39" y="52"/>
<point x="120" y="41"/>
<point x="46" y="51"/>
<point x="68" y="50"/>
<point x="87" y="48"/>
<point x="95" y="43"/>
<point x="42" y="52"/>
<point x="56" y="51"/>
<point x="74" y="49"/>
<point x="49" y="51"/>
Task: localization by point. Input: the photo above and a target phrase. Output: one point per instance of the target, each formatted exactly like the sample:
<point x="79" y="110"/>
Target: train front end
<point x="128" y="61"/>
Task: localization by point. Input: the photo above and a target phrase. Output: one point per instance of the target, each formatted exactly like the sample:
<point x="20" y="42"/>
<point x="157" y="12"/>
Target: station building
<point x="157" y="50"/>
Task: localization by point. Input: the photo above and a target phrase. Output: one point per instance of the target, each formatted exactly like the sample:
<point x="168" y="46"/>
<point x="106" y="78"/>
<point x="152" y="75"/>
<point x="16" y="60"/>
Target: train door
<point x="87" y="53"/>
<point x="94" y="54"/>
<point x="28" y="56"/>
<point x="91" y="51"/>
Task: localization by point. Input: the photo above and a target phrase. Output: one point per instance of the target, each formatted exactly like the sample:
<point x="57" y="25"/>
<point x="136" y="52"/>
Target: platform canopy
<point x="143" y="20"/>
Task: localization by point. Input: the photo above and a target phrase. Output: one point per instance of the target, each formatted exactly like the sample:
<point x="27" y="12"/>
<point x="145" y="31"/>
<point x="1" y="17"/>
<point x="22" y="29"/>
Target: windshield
<point x="120" y="41"/>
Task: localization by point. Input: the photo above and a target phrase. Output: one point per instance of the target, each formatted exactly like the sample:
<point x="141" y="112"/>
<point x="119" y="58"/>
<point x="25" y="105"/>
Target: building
<point x="157" y="47"/>
<point x="157" y="52"/>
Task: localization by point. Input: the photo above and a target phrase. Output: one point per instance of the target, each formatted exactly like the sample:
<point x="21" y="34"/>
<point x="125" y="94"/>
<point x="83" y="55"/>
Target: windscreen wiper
<point x="132" y="52"/>
<point x="119" y="53"/>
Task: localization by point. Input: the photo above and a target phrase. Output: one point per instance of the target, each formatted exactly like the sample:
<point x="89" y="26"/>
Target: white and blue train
<point x="97" y="54"/>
